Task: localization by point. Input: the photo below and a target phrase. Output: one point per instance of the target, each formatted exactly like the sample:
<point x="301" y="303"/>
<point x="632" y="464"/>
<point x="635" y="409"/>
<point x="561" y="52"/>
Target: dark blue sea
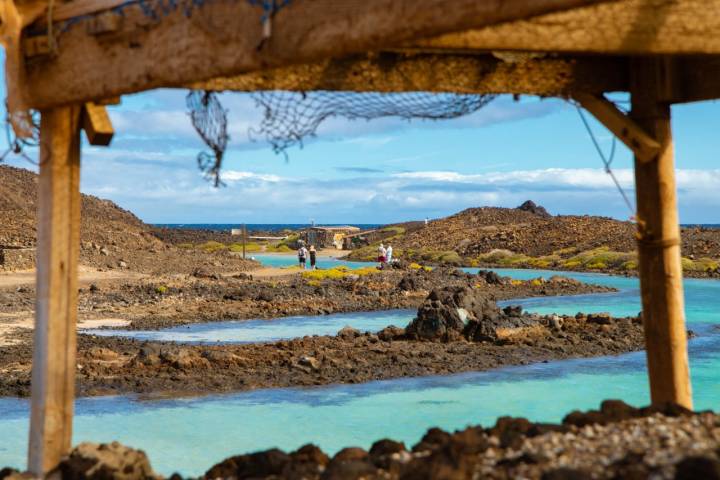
<point x="276" y="227"/>
<point x="265" y="227"/>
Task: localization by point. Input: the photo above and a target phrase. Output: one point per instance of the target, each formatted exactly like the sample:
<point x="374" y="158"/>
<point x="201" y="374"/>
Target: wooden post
<point x="244" y="239"/>
<point x="58" y="234"/>
<point x="659" y="240"/>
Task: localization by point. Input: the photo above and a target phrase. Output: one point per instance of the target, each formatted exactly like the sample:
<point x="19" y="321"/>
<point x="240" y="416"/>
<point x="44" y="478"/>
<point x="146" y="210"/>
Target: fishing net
<point x="291" y="117"/>
<point x="210" y="121"/>
<point x="17" y="145"/>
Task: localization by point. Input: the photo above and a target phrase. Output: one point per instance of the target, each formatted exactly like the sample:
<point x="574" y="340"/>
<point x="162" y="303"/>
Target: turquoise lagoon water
<point x="324" y="262"/>
<point x="189" y="435"/>
<point x="245" y="331"/>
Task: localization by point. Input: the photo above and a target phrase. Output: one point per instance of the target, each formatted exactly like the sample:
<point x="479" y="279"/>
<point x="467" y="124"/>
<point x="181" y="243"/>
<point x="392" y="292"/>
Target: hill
<point x="528" y="236"/>
<point x="111" y="237"/>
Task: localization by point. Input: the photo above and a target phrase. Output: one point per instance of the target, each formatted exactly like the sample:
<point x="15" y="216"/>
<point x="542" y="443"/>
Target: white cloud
<point x="236" y="176"/>
<point x="590" y="178"/>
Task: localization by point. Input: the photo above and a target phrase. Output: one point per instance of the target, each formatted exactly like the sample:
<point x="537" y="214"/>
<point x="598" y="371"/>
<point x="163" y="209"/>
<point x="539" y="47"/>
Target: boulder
<point x="269" y="463"/>
<point x="408" y="283"/>
<point x="348" y="333"/>
<point x="530" y="206"/>
<point x="112" y="461"/>
<point x="103" y="354"/>
<point x="308" y="361"/>
<point x="490" y="277"/>
<point x="390" y="333"/>
<point x="452" y="309"/>
<point x="600" y="318"/>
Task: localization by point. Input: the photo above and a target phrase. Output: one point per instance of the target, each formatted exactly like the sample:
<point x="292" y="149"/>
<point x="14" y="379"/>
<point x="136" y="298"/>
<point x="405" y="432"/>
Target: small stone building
<point x="328" y="237"/>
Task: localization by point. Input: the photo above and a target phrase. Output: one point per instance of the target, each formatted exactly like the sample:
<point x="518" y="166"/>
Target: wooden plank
<point x="627" y="27"/>
<point x="624" y="128"/>
<point x="53" y="369"/>
<point x="462" y="73"/>
<point x="697" y="78"/>
<point x="660" y="269"/>
<point x="223" y="39"/>
<point x="97" y="125"/>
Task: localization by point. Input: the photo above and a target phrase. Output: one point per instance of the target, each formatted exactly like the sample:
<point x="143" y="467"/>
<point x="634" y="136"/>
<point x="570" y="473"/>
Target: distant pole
<point x="244" y="239"/>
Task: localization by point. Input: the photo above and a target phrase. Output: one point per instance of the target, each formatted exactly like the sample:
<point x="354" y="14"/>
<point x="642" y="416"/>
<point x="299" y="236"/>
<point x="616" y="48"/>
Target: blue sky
<point x="386" y="170"/>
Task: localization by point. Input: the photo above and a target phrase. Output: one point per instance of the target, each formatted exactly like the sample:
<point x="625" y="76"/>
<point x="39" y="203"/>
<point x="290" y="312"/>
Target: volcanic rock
<point x="106" y="461"/>
<point x="490" y="277"/>
<point x="348" y="333"/>
<point x="451" y="309"/>
<point x="530" y="206"/>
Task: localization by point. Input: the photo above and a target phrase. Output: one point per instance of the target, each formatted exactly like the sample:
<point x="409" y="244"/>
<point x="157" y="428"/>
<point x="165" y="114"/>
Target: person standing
<point x="302" y="256"/>
<point x="381" y="254"/>
<point x="388" y="254"/>
<point x="313" y="257"/>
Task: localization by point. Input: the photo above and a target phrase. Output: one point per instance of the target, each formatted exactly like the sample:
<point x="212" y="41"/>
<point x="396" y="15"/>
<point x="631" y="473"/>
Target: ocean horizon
<point x="268" y="227"/>
<point x="277" y="227"/>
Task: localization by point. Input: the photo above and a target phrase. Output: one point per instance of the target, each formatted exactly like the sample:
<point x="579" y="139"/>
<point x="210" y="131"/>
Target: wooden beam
<point x="223" y="39"/>
<point x="54" y="349"/>
<point x="627" y="27"/>
<point x="97" y="125"/>
<point x="402" y="72"/>
<point x="696" y="78"/>
<point x="661" y="280"/>
<point x="624" y="128"/>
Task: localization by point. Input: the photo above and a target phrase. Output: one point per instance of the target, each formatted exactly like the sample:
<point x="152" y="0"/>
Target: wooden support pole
<point x="53" y="368"/>
<point x="659" y="240"/>
<point x="624" y="128"/>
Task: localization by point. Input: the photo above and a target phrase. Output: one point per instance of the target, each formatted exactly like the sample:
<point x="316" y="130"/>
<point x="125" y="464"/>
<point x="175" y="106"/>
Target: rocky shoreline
<point x="615" y="442"/>
<point x="160" y="302"/>
<point x="457" y="329"/>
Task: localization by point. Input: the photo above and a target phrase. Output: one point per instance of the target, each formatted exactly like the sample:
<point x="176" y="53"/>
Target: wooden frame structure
<point x="661" y="51"/>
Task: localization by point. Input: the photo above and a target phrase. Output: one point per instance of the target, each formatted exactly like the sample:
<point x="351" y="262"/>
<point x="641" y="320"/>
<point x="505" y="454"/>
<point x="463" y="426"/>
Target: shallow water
<point x="190" y="435"/>
<point x="324" y="262"/>
<point x="246" y="331"/>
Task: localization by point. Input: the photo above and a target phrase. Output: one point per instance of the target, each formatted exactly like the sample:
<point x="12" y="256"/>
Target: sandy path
<point x="86" y="274"/>
<point x="12" y="323"/>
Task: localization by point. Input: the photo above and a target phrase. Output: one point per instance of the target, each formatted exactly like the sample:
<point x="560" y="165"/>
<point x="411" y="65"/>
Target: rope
<point x="607" y="161"/>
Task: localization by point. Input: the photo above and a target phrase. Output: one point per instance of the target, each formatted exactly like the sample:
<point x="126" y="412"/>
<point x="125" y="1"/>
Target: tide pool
<point x="268" y="330"/>
<point x="324" y="262"/>
<point x="190" y="435"/>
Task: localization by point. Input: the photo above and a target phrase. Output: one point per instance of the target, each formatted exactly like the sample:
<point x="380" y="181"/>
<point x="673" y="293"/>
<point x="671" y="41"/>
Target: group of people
<point x="304" y="254"/>
<point x="385" y="254"/>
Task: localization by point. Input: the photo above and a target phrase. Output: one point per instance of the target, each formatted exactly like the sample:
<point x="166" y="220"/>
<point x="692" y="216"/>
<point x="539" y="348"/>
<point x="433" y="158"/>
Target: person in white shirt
<point x="381" y="254"/>
<point x="388" y="254"/>
<point x="302" y="256"/>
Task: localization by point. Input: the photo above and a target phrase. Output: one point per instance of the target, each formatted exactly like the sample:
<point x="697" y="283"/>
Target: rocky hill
<point x="111" y="237"/>
<point x="528" y="236"/>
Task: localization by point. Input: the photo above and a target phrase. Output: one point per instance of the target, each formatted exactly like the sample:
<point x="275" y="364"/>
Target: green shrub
<point x="279" y="248"/>
<point x="700" y="265"/>
<point x="571" y="264"/>
<point x="337" y="273"/>
<point x="630" y="265"/>
<point x="249" y="247"/>
<point x="597" y="266"/>
<point x="212" y="246"/>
